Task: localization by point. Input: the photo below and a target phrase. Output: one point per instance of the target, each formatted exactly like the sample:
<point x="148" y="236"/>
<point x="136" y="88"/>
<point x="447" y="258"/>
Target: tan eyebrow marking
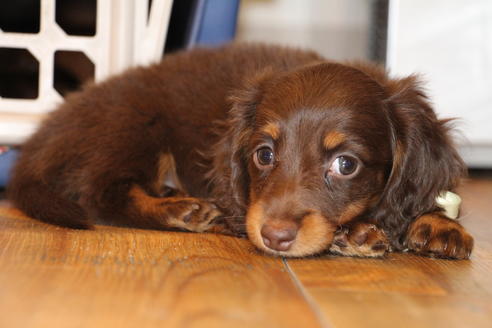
<point x="272" y="129"/>
<point x="333" y="139"/>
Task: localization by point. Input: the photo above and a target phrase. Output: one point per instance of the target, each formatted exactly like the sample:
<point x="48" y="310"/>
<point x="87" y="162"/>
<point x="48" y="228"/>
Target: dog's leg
<point x="128" y="198"/>
<point x="36" y="199"/>
<point x="360" y="239"/>
<point x="437" y="236"/>
<point x="189" y="213"/>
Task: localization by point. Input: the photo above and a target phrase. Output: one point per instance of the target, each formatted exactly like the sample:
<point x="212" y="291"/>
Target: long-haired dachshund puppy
<point x="302" y="154"/>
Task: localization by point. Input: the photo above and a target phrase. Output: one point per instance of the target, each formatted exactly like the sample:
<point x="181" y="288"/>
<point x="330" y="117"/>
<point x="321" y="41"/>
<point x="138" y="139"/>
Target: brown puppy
<point x="304" y="154"/>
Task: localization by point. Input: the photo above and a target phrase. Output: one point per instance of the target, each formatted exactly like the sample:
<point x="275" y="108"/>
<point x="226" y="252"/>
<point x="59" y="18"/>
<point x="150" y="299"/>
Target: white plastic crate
<point x="124" y="37"/>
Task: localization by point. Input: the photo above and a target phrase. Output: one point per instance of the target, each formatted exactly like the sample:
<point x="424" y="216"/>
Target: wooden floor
<point x="115" y="277"/>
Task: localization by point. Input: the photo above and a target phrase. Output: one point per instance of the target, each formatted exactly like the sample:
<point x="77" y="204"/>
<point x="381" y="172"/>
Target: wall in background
<point x="448" y="42"/>
<point x="337" y="29"/>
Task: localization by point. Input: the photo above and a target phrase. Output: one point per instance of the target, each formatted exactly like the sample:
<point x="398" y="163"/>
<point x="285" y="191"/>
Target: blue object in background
<point x="214" y="22"/>
<point x="6" y="162"/>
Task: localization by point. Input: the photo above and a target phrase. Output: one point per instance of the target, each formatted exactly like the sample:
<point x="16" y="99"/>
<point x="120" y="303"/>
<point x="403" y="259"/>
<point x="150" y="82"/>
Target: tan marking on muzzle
<point x="352" y="210"/>
<point x="314" y="235"/>
<point x="254" y="222"/>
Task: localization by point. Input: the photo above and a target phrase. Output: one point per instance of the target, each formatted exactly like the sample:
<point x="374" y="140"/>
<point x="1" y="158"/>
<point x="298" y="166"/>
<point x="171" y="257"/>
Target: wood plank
<point x="116" y="277"/>
<point x="404" y="290"/>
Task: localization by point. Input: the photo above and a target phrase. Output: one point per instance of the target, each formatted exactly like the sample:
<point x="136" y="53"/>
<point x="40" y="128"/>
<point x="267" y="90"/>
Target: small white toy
<point x="450" y="202"/>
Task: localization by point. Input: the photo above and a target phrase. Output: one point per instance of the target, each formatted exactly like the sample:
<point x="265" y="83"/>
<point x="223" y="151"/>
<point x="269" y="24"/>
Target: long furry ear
<point x="229" y="174"/>
<point x="425" y="161"/>
<point x="241" y="123"/>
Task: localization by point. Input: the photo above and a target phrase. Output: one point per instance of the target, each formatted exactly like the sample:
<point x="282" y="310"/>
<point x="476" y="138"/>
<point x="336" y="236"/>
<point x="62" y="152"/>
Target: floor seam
<point x="323" y="321"/>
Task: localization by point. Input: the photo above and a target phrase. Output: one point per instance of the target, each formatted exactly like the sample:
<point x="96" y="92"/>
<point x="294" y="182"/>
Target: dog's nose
<point x="279" y="238"/>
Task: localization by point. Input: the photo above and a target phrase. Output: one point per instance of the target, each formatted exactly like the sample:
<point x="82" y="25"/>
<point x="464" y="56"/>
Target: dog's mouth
<point x="280" y="237"/>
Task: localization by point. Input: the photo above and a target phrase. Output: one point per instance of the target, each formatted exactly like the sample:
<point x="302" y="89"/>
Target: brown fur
<point x="435" y="235"/>
<point x="198" y="119"/>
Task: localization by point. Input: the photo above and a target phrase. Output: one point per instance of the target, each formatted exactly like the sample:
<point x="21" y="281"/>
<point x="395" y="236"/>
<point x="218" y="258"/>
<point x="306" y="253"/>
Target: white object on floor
<point x="450" y="203"/>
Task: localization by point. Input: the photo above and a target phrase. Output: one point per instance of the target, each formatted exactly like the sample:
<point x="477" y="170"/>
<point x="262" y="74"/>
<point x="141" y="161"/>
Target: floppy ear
<point x="230" y="159"/>
<point x="425" y="161"/>
<point x="241" y="124"/>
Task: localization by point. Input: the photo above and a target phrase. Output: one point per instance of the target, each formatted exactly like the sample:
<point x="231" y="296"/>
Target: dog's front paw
<point x="436" y="236"/>
<point x="360" y="239"/>
<point x="191" y="214"/>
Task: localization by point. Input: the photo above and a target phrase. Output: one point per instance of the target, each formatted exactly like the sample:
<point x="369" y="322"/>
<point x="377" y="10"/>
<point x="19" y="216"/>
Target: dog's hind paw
<point x="192" y="214"/>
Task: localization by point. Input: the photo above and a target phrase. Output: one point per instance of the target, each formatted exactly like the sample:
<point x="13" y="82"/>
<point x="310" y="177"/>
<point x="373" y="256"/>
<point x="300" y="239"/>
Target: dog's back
<point x="111" y="135"/>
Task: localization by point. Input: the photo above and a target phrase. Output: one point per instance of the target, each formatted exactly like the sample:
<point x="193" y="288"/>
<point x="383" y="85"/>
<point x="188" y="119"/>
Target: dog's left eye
<point x="343" y="166"/>
<point x="264" y="157"/>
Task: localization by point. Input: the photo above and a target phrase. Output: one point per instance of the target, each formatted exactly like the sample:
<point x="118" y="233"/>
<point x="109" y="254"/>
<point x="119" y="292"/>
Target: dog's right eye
<point x="264" y="157"/>
<point x="343" y="167"/>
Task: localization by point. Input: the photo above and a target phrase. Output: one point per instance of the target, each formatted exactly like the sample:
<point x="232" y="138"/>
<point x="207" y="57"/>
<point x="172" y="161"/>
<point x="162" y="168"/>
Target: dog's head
<point x="318" y="147"/>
